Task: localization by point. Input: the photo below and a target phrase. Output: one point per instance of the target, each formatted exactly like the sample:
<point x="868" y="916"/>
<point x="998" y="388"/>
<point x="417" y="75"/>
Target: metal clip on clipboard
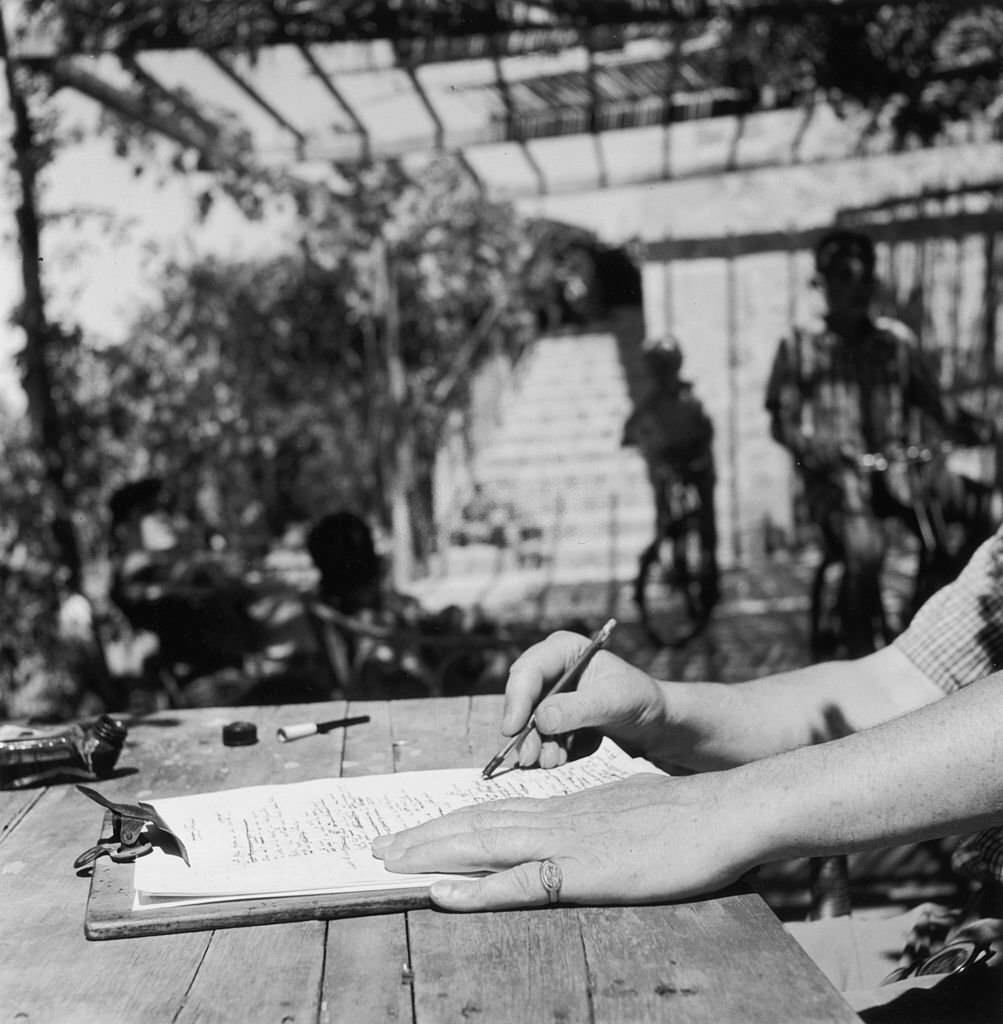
<point x="133" y="831"/>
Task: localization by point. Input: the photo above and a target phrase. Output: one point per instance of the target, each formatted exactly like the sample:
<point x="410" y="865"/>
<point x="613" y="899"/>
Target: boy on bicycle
<point x="848" y="385"/>
<point x="675" y="435"/>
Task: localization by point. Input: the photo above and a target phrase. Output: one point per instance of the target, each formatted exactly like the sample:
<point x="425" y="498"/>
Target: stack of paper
<point x="314" y="837"/>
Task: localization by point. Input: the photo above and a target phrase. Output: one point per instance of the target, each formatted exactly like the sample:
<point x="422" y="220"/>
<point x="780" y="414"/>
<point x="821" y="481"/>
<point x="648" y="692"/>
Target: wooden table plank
<point x="366" y="956"/>
<point x="464" y="965"/>
<point x="288" y="959"/>
<point x="702" y="963"/>
<point x="47" y="970"/>
<point x="14" y="805"/>
<point x="168" y="753"/>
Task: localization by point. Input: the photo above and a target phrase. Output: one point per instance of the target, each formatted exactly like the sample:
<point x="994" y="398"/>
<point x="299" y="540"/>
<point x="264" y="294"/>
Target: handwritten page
<point x="314" y="837"/>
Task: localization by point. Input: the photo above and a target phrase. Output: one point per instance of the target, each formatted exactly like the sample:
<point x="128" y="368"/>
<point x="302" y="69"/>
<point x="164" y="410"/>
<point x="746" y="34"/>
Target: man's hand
<point x="821" y="455"/>
<point x="643" y="839"/>
<point x="613" y="697"/>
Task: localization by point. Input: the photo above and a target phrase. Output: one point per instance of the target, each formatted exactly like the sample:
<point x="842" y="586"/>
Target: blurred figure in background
<point x="381" y="643"/>
<point x="167" y="583"/>
<point x="344" y="552"/>
<point x="842" y="388"/>
<point x="672" y="430"/>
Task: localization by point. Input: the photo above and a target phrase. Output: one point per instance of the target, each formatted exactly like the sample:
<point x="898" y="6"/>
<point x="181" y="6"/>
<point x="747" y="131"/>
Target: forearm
<point x="930" y="773"/>
<point x="730" y="724"/>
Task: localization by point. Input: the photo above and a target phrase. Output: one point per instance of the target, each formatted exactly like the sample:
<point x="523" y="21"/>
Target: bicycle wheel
<point x="676" y="587"/>
<point x="828" y="633"/>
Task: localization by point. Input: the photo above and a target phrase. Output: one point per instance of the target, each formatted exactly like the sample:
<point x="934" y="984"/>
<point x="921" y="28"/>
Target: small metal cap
<point x="240" y="734"/>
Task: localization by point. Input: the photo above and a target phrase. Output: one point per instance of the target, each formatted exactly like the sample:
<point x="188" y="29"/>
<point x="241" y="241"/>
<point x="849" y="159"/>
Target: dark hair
<point x="137" y="498"/>
<point x="843" y="244"/>
<point x="341" y="546"/>
<point x="663" y="355"/>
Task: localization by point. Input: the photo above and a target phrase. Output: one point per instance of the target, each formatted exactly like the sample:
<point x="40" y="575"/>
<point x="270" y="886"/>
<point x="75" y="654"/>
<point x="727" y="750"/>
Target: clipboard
<point x="110" y="913"/>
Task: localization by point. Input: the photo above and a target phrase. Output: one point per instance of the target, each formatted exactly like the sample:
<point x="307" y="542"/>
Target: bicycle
<point x="947" y="506"/>
<point x="677" y="579"/>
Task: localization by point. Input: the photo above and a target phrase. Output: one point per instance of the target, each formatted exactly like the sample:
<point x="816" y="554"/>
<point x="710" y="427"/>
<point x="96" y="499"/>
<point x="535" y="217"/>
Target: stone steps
<point x="556" y="458"/>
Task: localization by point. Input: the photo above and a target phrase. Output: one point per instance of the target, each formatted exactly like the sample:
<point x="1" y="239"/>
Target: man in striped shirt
<point x="849" y="385"/>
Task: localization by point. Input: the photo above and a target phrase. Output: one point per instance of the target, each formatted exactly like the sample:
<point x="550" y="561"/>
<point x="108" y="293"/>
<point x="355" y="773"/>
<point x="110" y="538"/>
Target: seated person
<point x="166" y="585"/>
<point x="351" y="576"/>
<point x="901" y="745"/>
<point x="402" y="650"/>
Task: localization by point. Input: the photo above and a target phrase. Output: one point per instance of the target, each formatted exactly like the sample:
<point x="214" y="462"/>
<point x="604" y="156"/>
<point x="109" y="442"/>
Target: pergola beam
<point x="758" y="243"/>
<point x="252" y="93"/>
<point x="440" y="129"/>
<point x="513" y="130"/>
<point x="593" y="91"/>
<point x="223" y="24"/>
<point x="174" y="97"/>
<point x="68" y="74"/>
<point x="335" y="93"/>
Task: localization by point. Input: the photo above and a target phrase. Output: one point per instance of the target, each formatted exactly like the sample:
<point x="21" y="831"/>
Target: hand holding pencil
<point x="607" y="695"/>
<point x="568" y="678"/>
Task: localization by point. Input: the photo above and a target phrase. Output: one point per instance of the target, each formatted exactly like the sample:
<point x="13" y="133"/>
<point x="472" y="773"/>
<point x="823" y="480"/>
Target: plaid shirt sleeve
<point x="956" y="638"/>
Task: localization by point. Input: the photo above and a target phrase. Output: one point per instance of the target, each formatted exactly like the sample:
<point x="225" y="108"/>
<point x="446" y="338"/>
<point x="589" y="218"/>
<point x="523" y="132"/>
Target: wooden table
<point x="717" y="960"/>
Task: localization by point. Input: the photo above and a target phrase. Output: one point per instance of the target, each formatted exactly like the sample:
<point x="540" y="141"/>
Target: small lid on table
<point x="240" y="734"/>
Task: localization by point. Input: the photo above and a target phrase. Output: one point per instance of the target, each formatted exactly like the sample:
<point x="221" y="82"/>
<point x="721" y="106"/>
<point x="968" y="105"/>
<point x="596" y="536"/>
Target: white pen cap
<point x="296" y="732"/>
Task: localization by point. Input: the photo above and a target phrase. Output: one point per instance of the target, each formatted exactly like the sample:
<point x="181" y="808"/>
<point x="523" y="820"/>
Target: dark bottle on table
<point x="93" y="749"/>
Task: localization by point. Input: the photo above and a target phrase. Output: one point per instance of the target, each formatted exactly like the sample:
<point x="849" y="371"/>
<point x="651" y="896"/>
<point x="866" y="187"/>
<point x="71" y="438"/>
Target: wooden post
<point x="399" y="468"/>
<point x="669" y="298"/>
<point x="991" y="306"/>
<point x="734" y="500"/>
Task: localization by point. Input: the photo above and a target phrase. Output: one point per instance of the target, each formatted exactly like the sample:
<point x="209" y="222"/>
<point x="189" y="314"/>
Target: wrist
<point x="758" y="822"/>
<point x="695" y="727"/>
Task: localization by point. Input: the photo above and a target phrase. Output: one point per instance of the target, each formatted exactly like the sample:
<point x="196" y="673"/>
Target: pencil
<point x="570" y="676"/>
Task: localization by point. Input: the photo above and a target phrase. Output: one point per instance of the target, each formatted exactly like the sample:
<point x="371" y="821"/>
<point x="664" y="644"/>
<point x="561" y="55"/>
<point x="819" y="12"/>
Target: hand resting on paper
<point x="646" y="838"/>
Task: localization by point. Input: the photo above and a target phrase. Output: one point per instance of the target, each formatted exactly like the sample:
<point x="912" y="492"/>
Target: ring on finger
<point x="551" y="878"/>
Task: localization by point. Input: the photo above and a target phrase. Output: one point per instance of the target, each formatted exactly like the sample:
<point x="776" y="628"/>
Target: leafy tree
<point x="271" y="383"/>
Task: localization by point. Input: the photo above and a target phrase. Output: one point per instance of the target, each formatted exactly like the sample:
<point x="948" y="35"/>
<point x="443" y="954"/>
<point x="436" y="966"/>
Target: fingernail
<point x="380" y="843"/>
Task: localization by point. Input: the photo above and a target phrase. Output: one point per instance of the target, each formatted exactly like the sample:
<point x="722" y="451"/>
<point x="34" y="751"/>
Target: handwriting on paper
<point x="316" y="835"/>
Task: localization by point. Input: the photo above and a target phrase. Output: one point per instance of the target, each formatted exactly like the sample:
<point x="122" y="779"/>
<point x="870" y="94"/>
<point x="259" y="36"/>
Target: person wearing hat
<point x="845" y="386"/>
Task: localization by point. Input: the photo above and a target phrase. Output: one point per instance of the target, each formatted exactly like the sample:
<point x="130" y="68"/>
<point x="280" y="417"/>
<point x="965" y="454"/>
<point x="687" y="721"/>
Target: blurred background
<point x="322" y="324"/>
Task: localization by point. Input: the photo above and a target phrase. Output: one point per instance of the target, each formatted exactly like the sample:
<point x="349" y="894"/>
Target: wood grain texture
<point x="288" y="959"/>
<point x="716" y="960"/>
<point x="364" y="977"/>
<point x="465" y="966"/>
<point x="47" y="970"/>
<point x="700" y="963"/>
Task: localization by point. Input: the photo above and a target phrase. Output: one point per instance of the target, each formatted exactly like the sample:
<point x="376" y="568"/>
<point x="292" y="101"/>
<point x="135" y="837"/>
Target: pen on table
<point x="297" y="732"/>
<point x="570" y="676"/>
